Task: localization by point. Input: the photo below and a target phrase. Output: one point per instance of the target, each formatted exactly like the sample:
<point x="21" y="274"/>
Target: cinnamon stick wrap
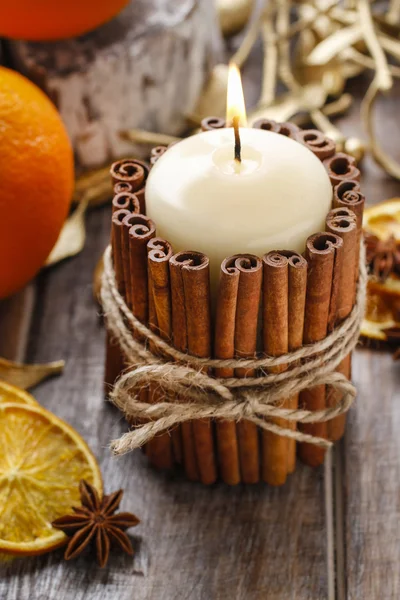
<point x="224" y="347"/>
<point x="320" y="145"/>
<point x="191" y="324"/>
<point x="114" y="361"/>
<point x="343" y="222"/>
<point x="321" y="251"/>
<point x="125" y="200"/>
<point x="159" y="251"/>
<point x="122" y="186"/>
<point x="246" y="325"/>
<point x="134" y="172"/>
<point x="275" y="343"/>
<point x="209" y="123"/>
<point x="156" y="153"/>
<point x="341" y="167"/>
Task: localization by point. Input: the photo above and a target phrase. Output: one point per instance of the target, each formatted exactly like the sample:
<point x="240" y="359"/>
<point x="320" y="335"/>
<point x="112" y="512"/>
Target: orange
<point x="52" y="19"/>
<point x="36" y="179"/>
<point x="42" y="460"/>
<point x="11" y="393"/>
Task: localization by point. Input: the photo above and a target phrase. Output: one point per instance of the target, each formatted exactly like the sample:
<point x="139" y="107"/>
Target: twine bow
<point x="255" y="399"/>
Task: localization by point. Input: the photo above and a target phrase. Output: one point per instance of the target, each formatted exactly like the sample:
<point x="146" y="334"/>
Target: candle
<point x="202" y="199"/>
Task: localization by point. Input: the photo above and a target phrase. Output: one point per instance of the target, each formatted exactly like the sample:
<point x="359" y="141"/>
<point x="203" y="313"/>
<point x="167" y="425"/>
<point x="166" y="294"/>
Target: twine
<point x="188" y="393"/>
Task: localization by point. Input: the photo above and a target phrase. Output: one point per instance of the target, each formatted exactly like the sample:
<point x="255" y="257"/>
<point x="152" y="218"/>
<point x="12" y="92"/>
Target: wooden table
<point x="330" y="533"/>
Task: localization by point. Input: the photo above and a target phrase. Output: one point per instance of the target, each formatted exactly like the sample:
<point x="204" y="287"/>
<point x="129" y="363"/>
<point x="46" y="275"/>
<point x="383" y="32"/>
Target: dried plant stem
<point x="140" y="136"/>
<point x="383" y="76"/>
<point x="270" y="62"/>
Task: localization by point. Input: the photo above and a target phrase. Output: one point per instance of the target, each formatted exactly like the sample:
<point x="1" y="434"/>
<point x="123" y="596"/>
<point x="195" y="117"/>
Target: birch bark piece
<point x="145" y="68"/>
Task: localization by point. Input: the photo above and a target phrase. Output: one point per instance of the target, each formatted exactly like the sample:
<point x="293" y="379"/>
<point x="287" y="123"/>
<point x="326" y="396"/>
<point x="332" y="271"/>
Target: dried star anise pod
<point x="96" y="524"/>
<point x="383" y="256"/>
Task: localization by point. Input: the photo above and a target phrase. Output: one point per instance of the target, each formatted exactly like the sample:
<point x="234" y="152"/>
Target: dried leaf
<point x="97" y="275"/>
<point x="95" y="186"/>
<point x="72" y="237"/>
<point x="335" y="43"/>
<point x="27" y="376"/>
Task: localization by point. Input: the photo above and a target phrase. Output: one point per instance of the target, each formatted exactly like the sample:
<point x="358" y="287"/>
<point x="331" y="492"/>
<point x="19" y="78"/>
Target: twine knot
<point x="256" y="399"/>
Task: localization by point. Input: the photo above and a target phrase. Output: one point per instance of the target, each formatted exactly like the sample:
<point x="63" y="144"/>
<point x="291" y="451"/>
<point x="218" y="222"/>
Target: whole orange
<point x="36" y="179"/>
<point x="52" y="20"/>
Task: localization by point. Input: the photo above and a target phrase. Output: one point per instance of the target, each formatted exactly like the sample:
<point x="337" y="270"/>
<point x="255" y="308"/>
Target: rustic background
<point x="333" y="532"/>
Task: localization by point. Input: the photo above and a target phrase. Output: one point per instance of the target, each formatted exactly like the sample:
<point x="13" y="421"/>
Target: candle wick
<point x="238" y="146"/>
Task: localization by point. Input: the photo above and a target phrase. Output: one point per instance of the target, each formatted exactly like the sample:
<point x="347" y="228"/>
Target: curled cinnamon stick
<point x="321" y="250"/>
<point x="209" y="123"/>
<point x="122" y="186"/>
<point x="224" y="347"/>
<point x="191" y="322"/>
<point x="159" y="251"/>
<point x="267" y="125"/>
<point x="348" y="194"/>
<point x="125" y="200"/>
<point x="134" y="172"/>
<point x="275" y="343"/>
<point x="322" y="146"/>
<point x="343" y="222"/>
<point x="141" y="230"/>
<point x="156" y="153"/>
<point x="247" y="311"/>
<point x="341" y="167"/>
<point x="297" y="266"/>
<point x="288" y="129"/>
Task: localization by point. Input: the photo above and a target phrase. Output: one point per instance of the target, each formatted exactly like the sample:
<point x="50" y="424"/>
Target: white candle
<point x="202" y="199"/>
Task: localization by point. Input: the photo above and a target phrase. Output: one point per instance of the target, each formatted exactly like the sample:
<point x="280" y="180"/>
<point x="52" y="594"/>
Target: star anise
<point x="95" y="524"/>
<point x="383" y="256"/>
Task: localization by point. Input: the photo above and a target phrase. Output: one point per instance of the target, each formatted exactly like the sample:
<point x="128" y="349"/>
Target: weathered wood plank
<point x="370" y="453"/>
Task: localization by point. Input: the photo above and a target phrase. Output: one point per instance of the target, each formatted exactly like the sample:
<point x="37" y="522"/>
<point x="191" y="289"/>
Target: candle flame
<point x="235" y="106"/>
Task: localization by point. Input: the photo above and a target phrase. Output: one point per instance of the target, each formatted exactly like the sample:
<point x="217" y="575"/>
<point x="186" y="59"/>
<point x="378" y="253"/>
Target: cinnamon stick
<point x="266" y="125"/>
<point x="348" y="194"/>
<point x="122" y="186"/>
<point x="156" y="153"/>
<point x="288" y="129"/>
<point x="341" y="167"/>
<point x="134" y="172"/>
<point x="209" y="123"/>
<point x="321" y="251"/>
<point x="343" y="222"/>
<point x="322" y="146"/>
<point x="125" y="200"/>
<point x="275" y="342"/>
<point x="114" y="362"/>
<point x="191" y="323"/>
<point x="224" y="347"/>
<point x="159" y="449"/>
<point x="247" y="311"/>
<point x="297" y="266"/>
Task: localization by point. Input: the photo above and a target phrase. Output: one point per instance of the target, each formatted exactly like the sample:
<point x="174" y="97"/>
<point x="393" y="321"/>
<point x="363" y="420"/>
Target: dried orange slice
<point x="10" y="393"/>
<point x="42" y="460"/>
<point x="383" y="219"/>
<point x="383" y="302"/>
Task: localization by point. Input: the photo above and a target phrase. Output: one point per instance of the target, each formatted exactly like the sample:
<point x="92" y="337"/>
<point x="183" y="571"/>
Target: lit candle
<point x="202" y="199"/>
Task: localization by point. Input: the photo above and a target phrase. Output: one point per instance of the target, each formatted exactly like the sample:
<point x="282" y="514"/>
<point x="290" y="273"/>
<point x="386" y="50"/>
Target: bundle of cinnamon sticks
<point x="267" y="305"/>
